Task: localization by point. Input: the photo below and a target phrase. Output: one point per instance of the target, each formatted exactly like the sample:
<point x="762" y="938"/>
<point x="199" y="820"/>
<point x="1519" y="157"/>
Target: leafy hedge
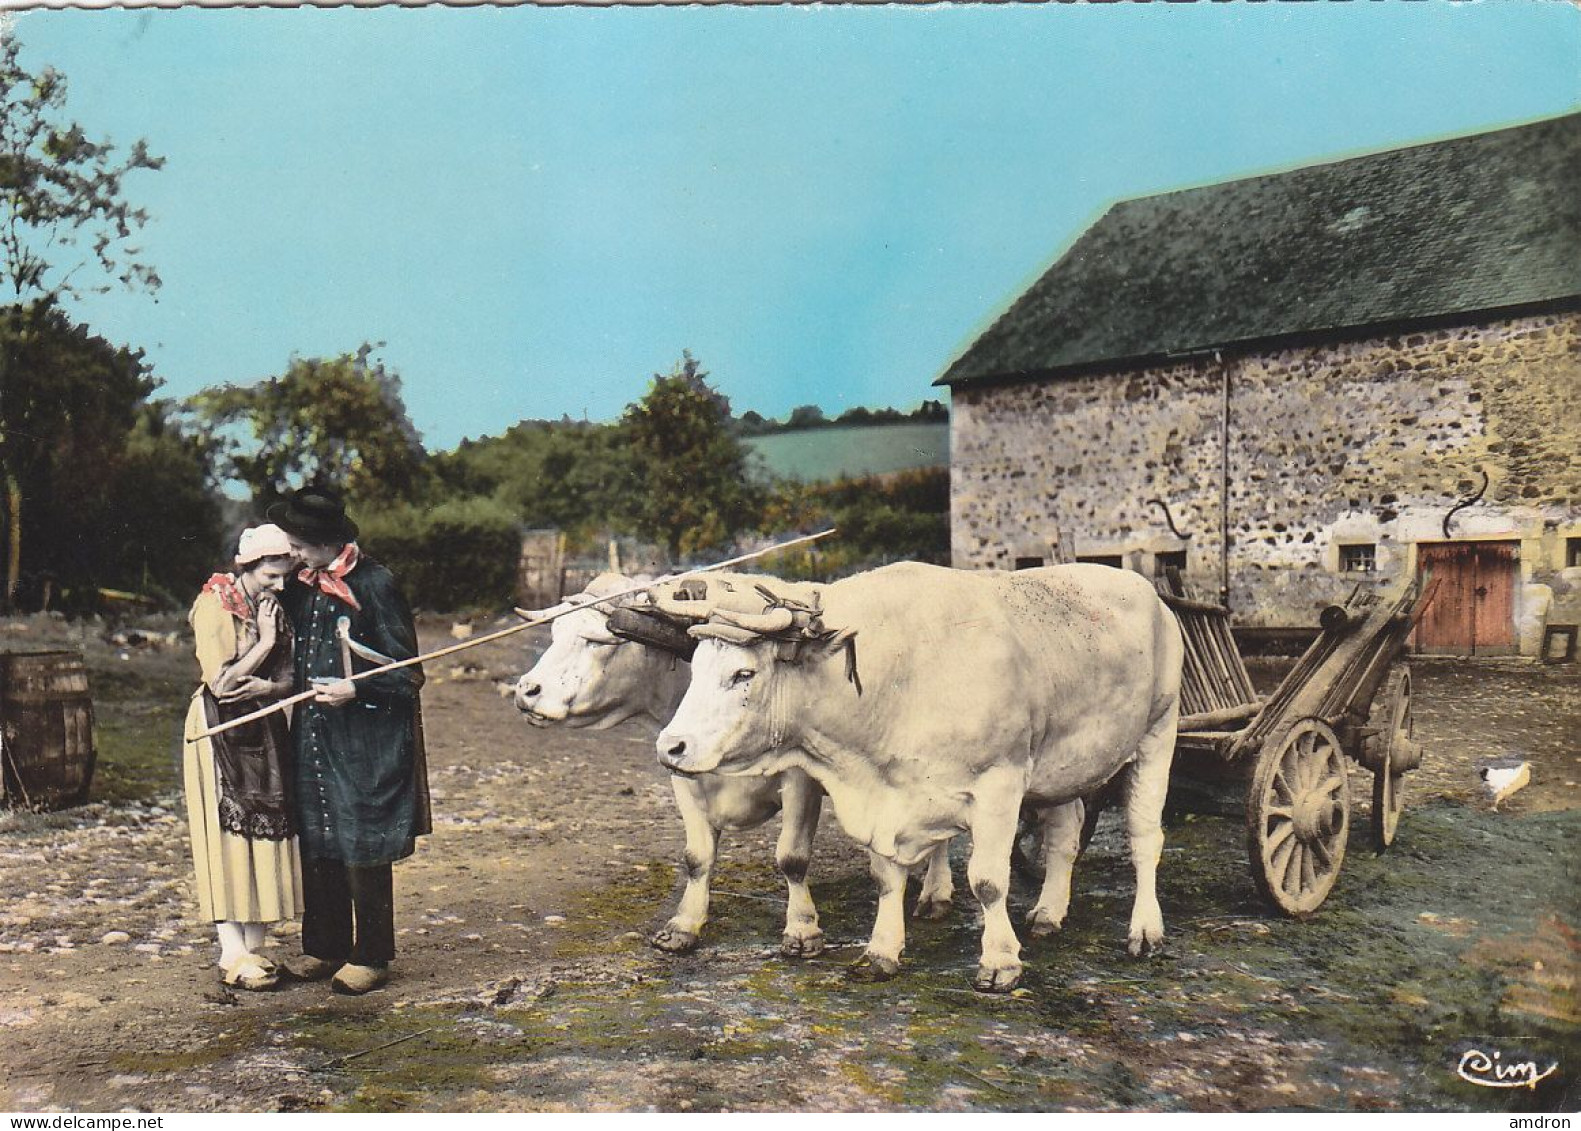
<point x="462" y="554"/>
<point x="881" y="519"/>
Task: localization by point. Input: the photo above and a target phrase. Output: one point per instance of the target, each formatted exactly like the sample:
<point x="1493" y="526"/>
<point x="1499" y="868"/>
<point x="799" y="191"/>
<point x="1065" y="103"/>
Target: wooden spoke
<point x="1290" y="874"/>
<point x="1324" y="856"/>
<point x="1280" y="858"/>
<point x="1308" y="867"/>
<point x="1282" y="831"/>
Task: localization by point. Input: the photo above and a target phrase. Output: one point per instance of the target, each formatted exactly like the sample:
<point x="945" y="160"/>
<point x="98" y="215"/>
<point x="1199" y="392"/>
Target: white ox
<point x="967" y="694"/>
<point x="591" y="678"/>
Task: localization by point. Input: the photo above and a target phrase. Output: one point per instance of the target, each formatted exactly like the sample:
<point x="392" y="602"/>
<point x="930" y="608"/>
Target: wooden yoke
<point x="301" y="696"/>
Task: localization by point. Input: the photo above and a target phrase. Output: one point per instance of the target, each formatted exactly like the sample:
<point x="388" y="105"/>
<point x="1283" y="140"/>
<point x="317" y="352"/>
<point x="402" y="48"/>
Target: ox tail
<point x="1146" y="786"/>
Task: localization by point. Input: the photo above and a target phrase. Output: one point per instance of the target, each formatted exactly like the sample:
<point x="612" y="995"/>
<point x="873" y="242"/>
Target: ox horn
<point x="765" y="624"/>
<point x="684" y="610"/>
<point x="544" y="614"/>
<point x="729" y="633"/>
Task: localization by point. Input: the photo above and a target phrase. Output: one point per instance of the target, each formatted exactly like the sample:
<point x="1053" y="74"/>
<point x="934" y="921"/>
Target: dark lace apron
<point x="253" y="761"/>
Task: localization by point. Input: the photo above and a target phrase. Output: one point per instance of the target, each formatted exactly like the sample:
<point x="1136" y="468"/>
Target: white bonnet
<point x="264" y="541"/>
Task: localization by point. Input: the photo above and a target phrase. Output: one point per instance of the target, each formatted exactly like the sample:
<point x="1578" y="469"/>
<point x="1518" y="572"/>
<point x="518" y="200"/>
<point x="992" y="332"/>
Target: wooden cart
<point x="1345" y="698"/>
<point x="1294" y="744"/>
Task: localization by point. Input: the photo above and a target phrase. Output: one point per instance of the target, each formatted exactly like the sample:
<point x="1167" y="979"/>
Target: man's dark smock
<point x="361" y="777"/>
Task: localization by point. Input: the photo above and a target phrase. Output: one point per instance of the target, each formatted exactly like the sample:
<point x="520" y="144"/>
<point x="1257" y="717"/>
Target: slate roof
<point x="1468" y="225"/>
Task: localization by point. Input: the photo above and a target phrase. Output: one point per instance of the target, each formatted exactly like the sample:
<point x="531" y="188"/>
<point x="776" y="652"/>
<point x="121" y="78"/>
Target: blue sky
<point x="537" y="209"/>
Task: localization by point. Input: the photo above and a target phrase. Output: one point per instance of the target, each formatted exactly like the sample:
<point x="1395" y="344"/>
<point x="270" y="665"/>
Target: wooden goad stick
<point x="282" y="704"/>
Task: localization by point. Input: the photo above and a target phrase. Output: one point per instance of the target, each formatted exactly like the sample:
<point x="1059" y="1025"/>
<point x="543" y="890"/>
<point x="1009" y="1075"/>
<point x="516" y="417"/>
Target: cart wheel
<point x="1387" y="798"/>
<point x="1298" y="816"/>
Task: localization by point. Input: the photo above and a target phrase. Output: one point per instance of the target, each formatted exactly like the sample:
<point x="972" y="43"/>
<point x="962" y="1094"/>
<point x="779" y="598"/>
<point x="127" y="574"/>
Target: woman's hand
<point x="248" y="687"/>
<point x="269" y="614"/>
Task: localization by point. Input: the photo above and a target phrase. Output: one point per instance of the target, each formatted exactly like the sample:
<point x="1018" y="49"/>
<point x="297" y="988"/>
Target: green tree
<point x="65" y="228"/>
<point x="806" y="416"/>
<point x="62" y="192"/>
<point x="570" y="475"/>
<point x="157" y="526"/>
<point x="337" y="421"/>
<point x="92" y="459"/>
<point x="691" y="486"/>
<point x="752" y="423"/>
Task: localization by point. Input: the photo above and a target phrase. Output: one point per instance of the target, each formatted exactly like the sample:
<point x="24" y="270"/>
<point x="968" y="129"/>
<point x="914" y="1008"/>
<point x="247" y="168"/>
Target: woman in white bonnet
<point x="238" y="783"/>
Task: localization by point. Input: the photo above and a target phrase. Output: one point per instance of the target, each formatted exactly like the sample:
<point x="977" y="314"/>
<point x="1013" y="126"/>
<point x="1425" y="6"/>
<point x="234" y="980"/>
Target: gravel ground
<point x="524" y="981"/>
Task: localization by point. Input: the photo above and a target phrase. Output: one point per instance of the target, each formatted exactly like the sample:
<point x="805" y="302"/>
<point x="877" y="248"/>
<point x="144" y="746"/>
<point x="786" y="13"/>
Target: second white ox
<point x="952" y="697"/>
<point x="591" y="678"/>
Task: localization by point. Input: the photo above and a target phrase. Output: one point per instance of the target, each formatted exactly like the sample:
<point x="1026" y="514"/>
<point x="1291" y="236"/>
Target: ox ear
<point x="830" y="644"/>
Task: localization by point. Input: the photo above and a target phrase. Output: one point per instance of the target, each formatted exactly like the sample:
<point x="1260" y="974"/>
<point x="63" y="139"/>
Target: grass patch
<point x="236" y="1038"/>
<point x="446" y="1060"/>
<point x="139" y="708"/>
<point x="139" y="758"/>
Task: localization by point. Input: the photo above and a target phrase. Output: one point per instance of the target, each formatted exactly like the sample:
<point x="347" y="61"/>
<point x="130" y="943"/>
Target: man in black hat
<point x="361" y="778"/>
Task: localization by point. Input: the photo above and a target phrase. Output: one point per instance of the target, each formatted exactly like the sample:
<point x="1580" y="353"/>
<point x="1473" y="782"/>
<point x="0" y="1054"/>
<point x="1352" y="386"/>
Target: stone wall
<point x="1364" y="441"/>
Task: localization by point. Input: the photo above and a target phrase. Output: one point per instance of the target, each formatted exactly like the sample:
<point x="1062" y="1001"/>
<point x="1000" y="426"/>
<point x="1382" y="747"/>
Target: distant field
<point x="828" y="453"/>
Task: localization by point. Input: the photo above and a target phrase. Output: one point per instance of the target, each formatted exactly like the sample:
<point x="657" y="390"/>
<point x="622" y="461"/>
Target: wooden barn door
<point x="1474" y="611"/>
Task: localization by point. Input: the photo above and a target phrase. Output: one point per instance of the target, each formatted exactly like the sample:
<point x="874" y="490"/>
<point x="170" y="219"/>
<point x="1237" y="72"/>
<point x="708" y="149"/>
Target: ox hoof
<point x="991" y="981"/>
<point x="1041" y="923"/>
<point x="1142" y="946"/>
<point x="933" y="908"/>
<point x="673" y="940"/>
<point x="872" y="968"/>
<point x="801" y="946"/>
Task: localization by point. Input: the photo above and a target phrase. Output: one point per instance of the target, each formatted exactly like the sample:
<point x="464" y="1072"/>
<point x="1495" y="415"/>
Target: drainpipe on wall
<point x="1224" y="485"/>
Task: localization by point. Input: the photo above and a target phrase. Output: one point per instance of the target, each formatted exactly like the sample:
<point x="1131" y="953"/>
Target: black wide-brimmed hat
<point x="316" y="515"/>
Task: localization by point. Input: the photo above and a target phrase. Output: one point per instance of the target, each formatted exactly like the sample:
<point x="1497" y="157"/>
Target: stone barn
<point x="1353" y="372"/>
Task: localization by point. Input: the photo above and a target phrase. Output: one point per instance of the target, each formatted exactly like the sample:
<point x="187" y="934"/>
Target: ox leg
<point x="882" y="958"/>
<point x="1061" y="845"/>
<point x="995" y="813"/>
<point x="801" y="799"/>
<point x="938" y="886"/>
<point x="679" y="935"/>
<point x="1146" y="786"/>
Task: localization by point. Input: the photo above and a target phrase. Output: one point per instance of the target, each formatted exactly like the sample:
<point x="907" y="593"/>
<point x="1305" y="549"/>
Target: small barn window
<point x="1101" y="559"/>
<point x="1169" y="560"/>
<point x="1359" y="558"/>
<point x="1028" y="563"/>
<point x="1572" y="552"/>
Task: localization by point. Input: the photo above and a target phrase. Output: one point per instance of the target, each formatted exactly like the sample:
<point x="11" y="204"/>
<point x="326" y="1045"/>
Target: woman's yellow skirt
<point x="248" y="881"/>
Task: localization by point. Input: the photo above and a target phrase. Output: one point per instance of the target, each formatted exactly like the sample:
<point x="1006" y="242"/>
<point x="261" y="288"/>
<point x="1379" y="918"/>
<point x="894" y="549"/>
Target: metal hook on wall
<point x="1168" y="518"/>
<point x="1463" y="504"/>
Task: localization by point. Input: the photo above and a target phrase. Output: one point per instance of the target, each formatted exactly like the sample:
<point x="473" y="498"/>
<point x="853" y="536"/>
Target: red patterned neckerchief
<point x="331" y="579"/>
<point x="233" y="599"/>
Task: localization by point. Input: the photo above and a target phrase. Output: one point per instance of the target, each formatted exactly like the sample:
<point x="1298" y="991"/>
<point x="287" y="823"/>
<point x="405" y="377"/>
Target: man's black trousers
<point x="348" y="913"/>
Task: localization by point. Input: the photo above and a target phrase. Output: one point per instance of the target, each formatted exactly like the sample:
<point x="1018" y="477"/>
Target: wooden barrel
<point x="46" y="730"/>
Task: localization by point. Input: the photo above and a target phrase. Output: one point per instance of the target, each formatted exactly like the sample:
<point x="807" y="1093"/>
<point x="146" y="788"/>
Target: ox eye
<point x="742" y="677"/>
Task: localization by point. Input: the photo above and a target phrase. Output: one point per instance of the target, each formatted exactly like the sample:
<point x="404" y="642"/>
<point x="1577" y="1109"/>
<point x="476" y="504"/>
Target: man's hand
<point x="336" y="694"/>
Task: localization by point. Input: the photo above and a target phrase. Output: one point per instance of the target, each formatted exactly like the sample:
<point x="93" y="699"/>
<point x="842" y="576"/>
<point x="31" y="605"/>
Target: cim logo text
<point x="1477" y="1067"/>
